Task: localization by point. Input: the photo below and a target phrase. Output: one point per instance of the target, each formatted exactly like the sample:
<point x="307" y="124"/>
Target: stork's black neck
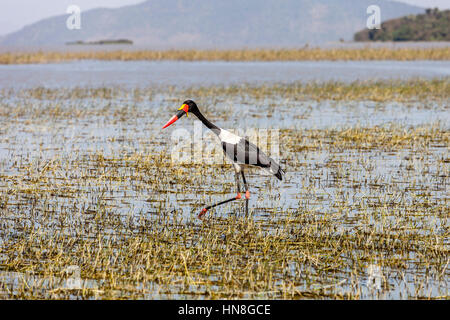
<point x="206" y="122"/>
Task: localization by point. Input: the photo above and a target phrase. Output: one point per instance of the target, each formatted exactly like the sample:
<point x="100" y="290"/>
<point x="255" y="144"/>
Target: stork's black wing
<point x="245" y="152"/>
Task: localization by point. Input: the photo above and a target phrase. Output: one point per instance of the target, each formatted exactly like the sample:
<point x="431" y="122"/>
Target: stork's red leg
<point x="238" y="196"/>
<point x="247" y="193"/>
<point x="203" y="212"/>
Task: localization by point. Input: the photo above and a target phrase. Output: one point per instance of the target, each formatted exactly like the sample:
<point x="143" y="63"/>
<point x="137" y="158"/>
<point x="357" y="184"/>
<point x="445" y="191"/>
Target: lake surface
<point x="185" y="74"/>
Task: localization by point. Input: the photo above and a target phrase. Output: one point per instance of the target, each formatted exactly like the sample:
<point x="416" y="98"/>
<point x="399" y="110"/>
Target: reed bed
<point x="381" y="91"/>
<point x="415" y="90"/>
<point x="305" y="54"/>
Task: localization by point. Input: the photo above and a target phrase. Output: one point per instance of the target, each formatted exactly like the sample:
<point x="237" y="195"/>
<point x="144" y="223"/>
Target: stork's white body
<point x="244" y="153"/>
<point x="228" y="137"/>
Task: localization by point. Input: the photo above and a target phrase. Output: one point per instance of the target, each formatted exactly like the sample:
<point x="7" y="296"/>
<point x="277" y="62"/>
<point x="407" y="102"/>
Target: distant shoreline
<point x="433" y="25"/>
<point x="100" y="42"/>
<point x="305" y="54"/>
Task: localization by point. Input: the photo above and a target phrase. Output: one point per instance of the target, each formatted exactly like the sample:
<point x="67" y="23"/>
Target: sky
<point x="15" y="14"/>
<point x="18" y="13"/>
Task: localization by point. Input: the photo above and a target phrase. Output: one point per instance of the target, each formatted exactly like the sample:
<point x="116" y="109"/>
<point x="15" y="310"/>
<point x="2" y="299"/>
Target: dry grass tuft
<point x="315" y="54"/>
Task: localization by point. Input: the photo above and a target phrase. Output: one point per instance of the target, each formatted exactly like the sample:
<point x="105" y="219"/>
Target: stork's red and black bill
<point x="172" y="120"/>
<point x="183" y="110"/>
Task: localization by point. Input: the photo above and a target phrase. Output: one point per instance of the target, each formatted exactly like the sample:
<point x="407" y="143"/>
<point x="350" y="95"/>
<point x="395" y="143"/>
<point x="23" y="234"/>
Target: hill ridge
<point x="213" y="24"/>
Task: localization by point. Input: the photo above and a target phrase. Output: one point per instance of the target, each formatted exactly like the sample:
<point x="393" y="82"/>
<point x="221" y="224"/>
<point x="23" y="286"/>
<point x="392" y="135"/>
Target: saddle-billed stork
<point x="239" y="150"/>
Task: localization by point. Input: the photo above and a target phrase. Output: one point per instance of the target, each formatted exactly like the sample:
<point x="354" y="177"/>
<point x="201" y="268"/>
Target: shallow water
<point x="100" y="174"/>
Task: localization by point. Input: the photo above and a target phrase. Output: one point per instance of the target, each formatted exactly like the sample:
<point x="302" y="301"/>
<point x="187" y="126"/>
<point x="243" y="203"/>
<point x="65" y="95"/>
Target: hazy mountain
<point x="219" y="23"/>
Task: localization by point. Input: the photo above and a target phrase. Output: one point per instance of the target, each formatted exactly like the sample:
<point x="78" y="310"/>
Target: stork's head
<point x="186" y="107"/>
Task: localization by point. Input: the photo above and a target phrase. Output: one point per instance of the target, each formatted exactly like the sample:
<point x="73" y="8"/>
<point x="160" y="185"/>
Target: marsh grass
<point x="305" y="54"/>
<point x="87" y="180"/>
<point x="380" y="91"/>
<point x="375" y="91"/>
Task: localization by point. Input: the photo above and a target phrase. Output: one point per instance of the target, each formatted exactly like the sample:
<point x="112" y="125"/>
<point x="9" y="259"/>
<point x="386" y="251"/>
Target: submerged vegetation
<point x="87" y="183"/>
<point x="305" y="54"/>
